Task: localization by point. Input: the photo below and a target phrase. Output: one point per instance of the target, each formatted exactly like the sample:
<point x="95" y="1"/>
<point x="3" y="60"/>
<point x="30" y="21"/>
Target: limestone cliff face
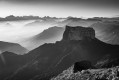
<point x="78" y="33"/>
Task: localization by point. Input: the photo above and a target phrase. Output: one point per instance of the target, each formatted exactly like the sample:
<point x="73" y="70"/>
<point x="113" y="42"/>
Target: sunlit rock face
<point x="78" y="33"/>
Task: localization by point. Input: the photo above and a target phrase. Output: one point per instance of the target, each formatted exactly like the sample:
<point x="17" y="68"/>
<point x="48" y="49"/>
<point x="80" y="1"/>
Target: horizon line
<point x="61" y="17"/>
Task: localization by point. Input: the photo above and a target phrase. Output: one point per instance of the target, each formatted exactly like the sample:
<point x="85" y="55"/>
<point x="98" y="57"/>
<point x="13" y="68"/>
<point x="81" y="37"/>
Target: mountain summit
<point x="78" y="33"/>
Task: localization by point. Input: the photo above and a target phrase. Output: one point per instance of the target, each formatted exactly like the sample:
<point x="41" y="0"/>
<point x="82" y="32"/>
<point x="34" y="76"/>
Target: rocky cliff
<point x="78" y="33"/>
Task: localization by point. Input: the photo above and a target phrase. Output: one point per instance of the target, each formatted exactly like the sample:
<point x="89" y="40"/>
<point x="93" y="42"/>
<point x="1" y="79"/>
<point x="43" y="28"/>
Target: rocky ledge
<point x="90" y="74"/>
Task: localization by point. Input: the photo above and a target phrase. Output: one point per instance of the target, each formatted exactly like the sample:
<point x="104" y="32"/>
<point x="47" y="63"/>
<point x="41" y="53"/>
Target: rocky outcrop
<point x="82" y="65"/>
<point x="89" y="74"/>
<point x="78" y="33"/>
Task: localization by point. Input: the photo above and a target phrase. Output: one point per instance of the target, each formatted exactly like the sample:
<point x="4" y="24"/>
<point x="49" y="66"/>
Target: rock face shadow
<point x="82" y="65"/>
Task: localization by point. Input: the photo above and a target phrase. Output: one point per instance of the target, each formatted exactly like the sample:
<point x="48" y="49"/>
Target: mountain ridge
<point x="50" y="59"/>
<point x="12" y="47"/>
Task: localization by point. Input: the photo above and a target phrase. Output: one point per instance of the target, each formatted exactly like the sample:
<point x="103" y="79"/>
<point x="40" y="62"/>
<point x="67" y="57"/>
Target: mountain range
<point x="56" y="48"/>
<point x="50" y="59"/>
<point x="107" y="31"/>
<point x="23" y="31"/>
<point x="50" y="35"/>
<point x="17" y="18"/>
<point x="102" y="26"/>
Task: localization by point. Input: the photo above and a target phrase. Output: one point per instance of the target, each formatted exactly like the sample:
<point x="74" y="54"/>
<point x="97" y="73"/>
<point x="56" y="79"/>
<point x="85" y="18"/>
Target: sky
<point x="60" y="8"/>
<point x="16" y="32"/>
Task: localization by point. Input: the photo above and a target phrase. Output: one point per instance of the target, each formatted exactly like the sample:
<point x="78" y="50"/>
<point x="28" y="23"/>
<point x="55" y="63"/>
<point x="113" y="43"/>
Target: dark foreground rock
<point x="83" y="65"/>
<point x="89" y="74"/>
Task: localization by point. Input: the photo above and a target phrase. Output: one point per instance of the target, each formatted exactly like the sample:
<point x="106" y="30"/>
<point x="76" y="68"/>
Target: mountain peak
<point x="78" y="33"/>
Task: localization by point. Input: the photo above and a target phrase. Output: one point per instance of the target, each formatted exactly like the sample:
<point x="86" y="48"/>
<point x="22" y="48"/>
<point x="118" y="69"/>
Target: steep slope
<point x="78" y="44"/>
<point x="107" y="31"/>
<point x="50" y="35"/>
<point x="12" y="47"/>
<point x="10" y="62"/>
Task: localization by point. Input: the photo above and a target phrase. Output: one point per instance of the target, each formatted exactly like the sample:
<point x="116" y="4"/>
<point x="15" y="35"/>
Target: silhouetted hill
<point x="81" y="22"/>
<point x="10" y="59"/>
<point x="9" y="63"/>
<point x="50" y="35"/>
<point x="43" y="23"/>
<point x="107" y="31"/>
<point x="12" y="47"/>
<point x="16" y="18"/>
<point x="49" y="60"/>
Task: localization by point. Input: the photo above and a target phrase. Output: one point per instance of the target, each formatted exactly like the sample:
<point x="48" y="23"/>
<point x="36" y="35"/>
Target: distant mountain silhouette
<point x="81" y="22"/>
<point x="78" y="44"/>
<point x="50" y="35"/>
<point x="77" y="22"/>
<point x="43" y="23"/>
<point x="61" y="22"/>
<point x="16" y="18"/>
<point x="107" y="31"/>
<point x="12" y="47"/>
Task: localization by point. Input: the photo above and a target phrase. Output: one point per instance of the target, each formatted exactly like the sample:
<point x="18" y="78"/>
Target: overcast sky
<point x="60" y="8"/>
